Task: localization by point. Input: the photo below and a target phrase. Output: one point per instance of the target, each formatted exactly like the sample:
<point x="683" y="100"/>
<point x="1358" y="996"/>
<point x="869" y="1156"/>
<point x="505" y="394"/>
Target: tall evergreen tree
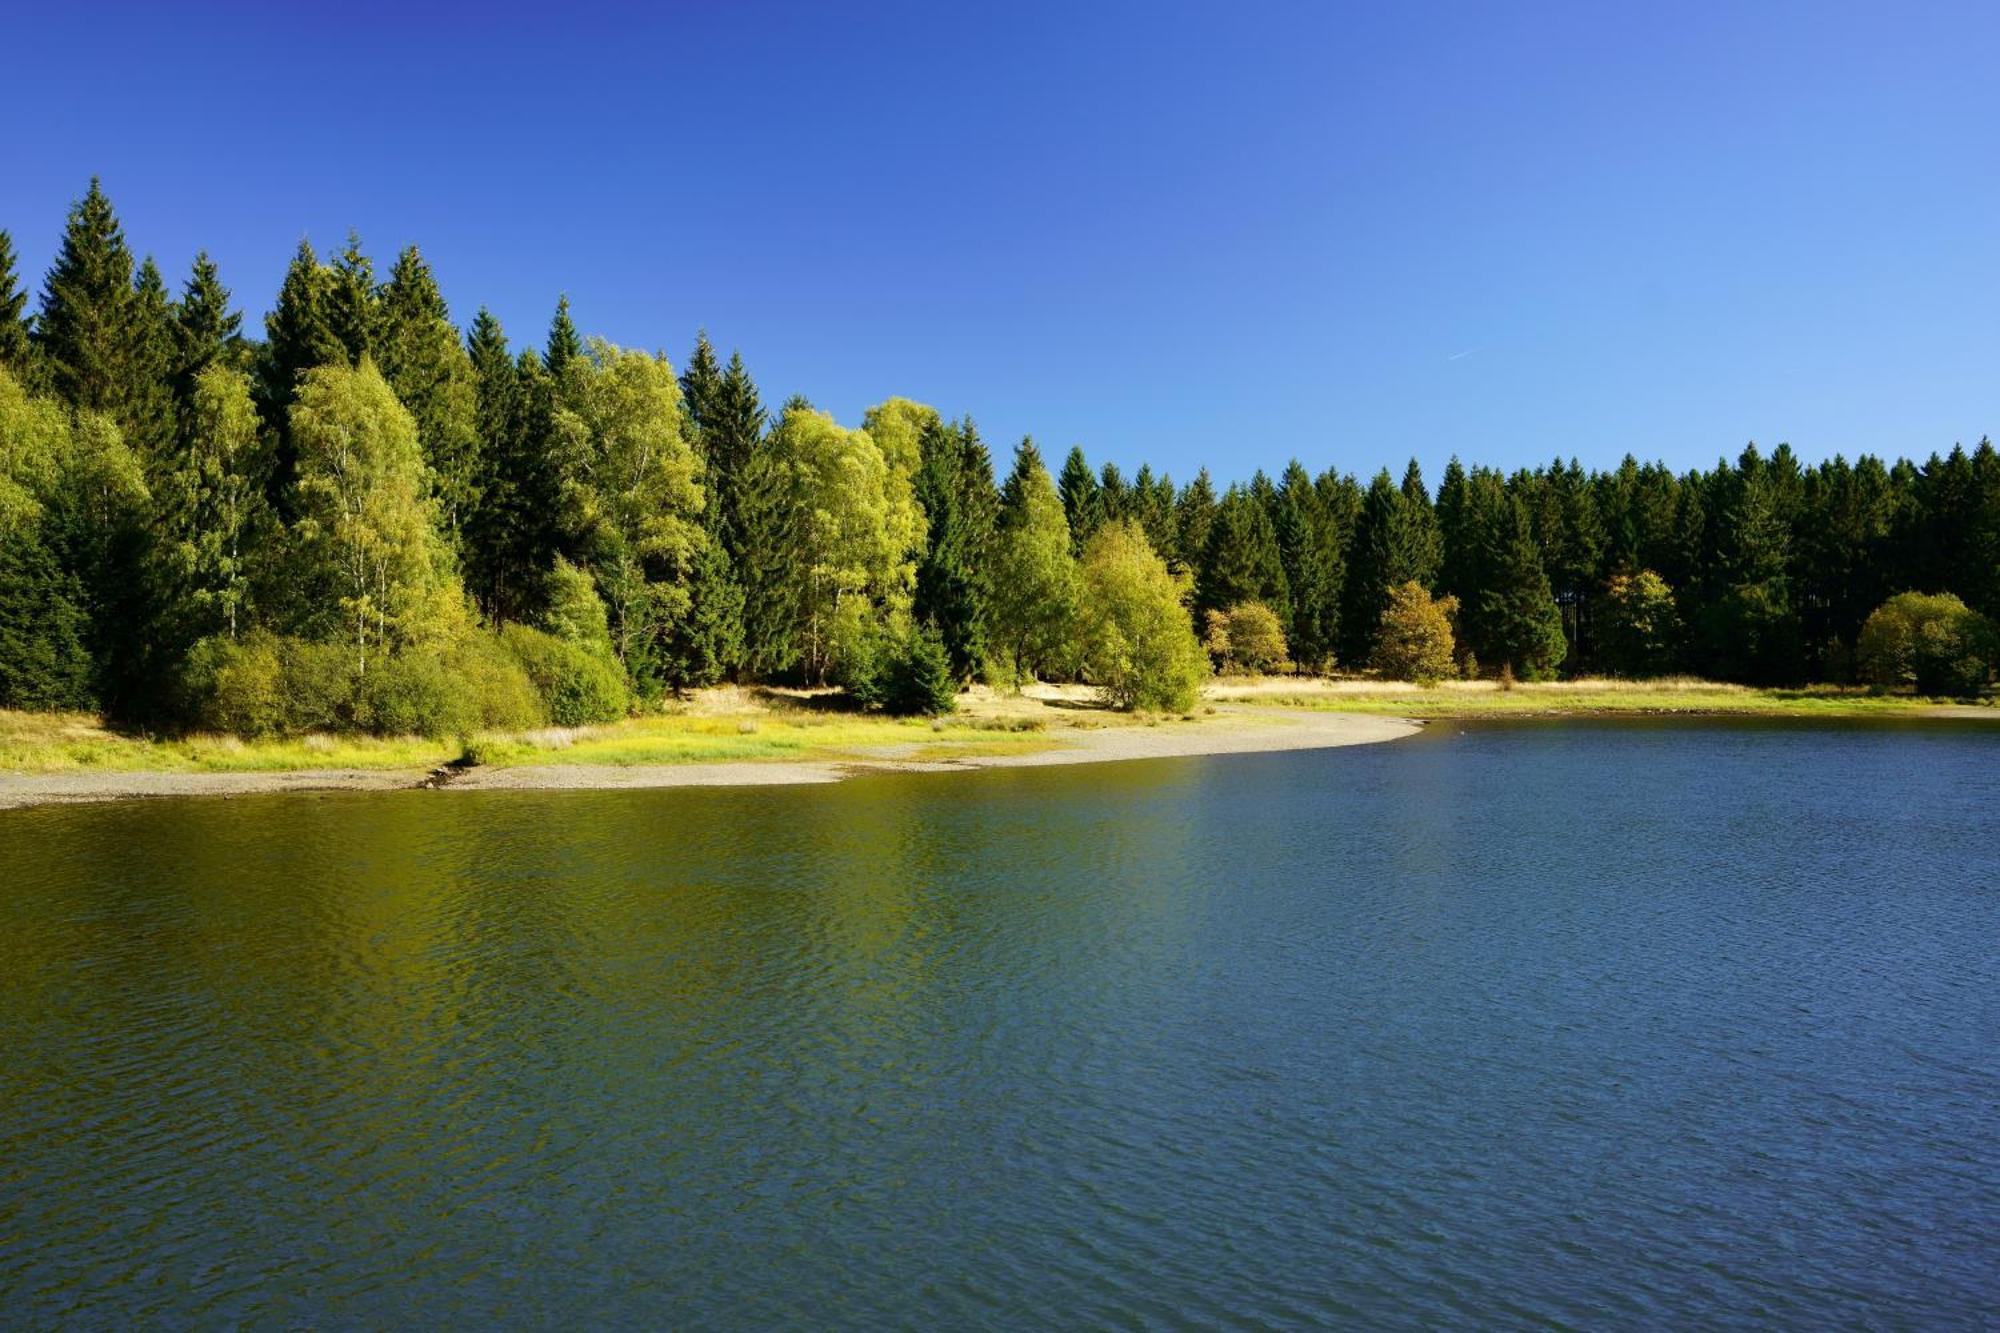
<point x="1194" y="516"/>
<point x="1083" y="505"/>
<point x="1034" y="573"/>
<point x="1517" y="624"/>
<point x="14" y="342"/>
<point x="353" y="305"/>
<point x="701" y="388"/>
<point x="954" y="484"/>
<point x="206" y="330"/>
<point x="1243" y="562"/>
<point x="564" y="346"/>
<point x="298" y="337"/>
<point x="419" y="354"/>
<point x="147" y="415"/>
<point x="1309" y="553"/>
<point x="731" y="436"/>
<point x="86" y="330"/>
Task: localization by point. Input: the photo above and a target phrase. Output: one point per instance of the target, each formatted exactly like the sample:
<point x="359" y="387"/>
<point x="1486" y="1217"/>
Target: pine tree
<point x="1114" y="497"/>
<point x="1083" y="504"/>
<point x="1243" y="563"/>
<point x="1153" y="507"/>
<point x="353" y="306"/>
<point x="564" y="346"/>
<point x="207" y="331"/>
<point x="701" y="389"/>
<point x="14" y="344"/>
<point x="731" y="435"/>
<point x="298" y="337"/>
<point x="954" y="484"/>
<point x="707" y="643"/>
<point x="1194" y="515"/>
<point x="1308" y="556"/>
<point x="86" y="329"/>
<point x="1421" y="544"/>
<point x="419" y="354"/>
<point x="148" y="410"/>
<point x="1515" y="613"/>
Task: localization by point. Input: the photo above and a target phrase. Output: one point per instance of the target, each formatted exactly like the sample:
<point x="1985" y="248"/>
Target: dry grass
<point x="1586" y="695"/>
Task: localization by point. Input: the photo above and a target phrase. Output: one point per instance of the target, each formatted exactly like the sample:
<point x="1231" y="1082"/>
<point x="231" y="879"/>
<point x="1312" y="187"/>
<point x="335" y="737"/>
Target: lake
<point x="1674" y="1024"/>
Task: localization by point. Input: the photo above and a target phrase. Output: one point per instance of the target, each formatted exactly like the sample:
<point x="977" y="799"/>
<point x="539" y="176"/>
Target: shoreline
<point x="1233" y="731"/>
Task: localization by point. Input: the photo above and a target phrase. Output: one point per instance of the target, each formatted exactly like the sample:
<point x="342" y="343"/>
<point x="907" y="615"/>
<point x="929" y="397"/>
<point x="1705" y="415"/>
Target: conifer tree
<point x="148" y="411"/>
<point x="298" y="337"/>
<point x="492" y="529"/>
<point x="701" y="389"/>
<point x="209" y="503"/>
<point x="1243" y="563"/>
<point x="86" y="328"/>
<point x="206" y="330"/>
<point x="419" y="354"/>
<point x="1083" y="505"/>
<point x="1515" y="613"/>
<point x="731" y="436"/>
<point x="14" y="342"/>
<point x="564" y="346"/>
<point x="954" y="484"/>
<point x="353" y="306"/>
<point x="1194" y="515"/>
<point x="1114" y="497"/>
<point x="1308" y="554"/>
<point x="1418" y="540"/>
<point x="1153" y="507"/>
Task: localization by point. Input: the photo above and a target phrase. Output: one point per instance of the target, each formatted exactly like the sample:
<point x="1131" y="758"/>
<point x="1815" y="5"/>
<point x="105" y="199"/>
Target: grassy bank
<point x="1586" y="697"/>
<point x="74" y="742"/>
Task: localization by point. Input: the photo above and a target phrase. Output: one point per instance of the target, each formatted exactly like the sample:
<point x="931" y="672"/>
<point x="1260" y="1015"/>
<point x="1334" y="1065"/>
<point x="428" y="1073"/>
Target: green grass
<point x="1591" y="697"/>
<point x="73" y="742"/>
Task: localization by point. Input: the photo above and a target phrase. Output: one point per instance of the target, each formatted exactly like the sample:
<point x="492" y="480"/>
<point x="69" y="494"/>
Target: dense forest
<point x="368" y="519"/>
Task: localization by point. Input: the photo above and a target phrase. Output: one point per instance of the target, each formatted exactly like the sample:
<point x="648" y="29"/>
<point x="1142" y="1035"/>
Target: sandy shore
<point x="1233" y="731"/>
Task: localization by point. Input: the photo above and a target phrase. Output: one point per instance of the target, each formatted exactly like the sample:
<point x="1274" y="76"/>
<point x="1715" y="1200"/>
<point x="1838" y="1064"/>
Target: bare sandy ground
<point x="1239" y="731"/>
<point x="1231" y="731"/>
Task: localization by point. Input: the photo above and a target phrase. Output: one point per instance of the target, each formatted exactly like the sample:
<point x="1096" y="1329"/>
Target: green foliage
<point x="1137" y="643"/>
<point x="208" y="507"/>
<point x="1034" y="577"/>
<point x="87" y="328"/>
<point x="912" y="676"/>
<point x="1243" y="562"/>
<point x="1083" y="503"/>
<point x="577" y="686"/>
<point x="14" y="345"/>
<point x="954" y="486"/>
<point x="1247" y="639"/>
<point x="1933" y="642"/>
<point x="1514" y="613"/>
<point x="420" y="356"/>
<point x="1414" y="640"/>
<point x="44" y="659"/>
<point x="1638" y="625"/>
<point x="366" y="559"/>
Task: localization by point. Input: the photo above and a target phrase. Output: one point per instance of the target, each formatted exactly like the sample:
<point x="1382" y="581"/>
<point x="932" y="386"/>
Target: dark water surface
<point x="1671" y="1026"/>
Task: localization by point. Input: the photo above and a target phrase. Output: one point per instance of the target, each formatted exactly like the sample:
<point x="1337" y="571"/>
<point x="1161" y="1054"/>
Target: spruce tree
<point x="1194" y="515"/>
<point x="206" y="330"/>
<point x="14" y="343"/>
<point x="1419" y="541"/>
<point x="1153" y="507"/>
<point x="701" y="389"/>
<point x="731" y="436"/>
<point x="564" y="346"/>
<point x="1305" y="551"/>
<point x="1518" y="625"/>
<point x="1083" y="505"/>
<point x="419" y="354"/>
<point x="1243" y="563"/>
<point x="86" y="329"/>
<point x="298" y="337"/>
<point x="954" y="485"/>
<point x="1114" y="497"/>
<point x="353" y="306"/>
<point x="148" y="412"/>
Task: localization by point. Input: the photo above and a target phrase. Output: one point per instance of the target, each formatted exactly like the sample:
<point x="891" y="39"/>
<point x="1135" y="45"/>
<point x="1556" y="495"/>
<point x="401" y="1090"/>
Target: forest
<point x="371" y="520"/>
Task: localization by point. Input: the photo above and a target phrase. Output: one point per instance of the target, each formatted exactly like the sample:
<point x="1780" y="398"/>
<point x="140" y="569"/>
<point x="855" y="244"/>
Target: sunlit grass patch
<point x="1587" y="695"/>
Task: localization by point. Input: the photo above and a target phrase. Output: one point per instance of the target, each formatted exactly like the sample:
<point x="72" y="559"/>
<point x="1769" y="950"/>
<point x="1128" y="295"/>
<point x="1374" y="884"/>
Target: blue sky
<point x="1216" y="233"/>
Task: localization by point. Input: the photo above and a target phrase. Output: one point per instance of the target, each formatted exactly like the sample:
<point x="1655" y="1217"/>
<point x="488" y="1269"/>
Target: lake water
<point x="1608" y="1025"/>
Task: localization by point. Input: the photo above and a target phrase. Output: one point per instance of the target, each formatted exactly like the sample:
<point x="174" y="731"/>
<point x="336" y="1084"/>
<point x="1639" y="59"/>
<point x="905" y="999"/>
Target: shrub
<point x="913" y="677"/>
<point x="414" y="694"/>
<point x="1638" y="626"/>
<point x="1138" y="645"/>
<point x="317" y="687"/>
<point x="236" y="686"/>
<point x="496" y="685"/>
<point x="1933" y="642"/>
<point x="1247" y="638"/>
<point x="577" y="686"/>
<point x="1415" y="642"/>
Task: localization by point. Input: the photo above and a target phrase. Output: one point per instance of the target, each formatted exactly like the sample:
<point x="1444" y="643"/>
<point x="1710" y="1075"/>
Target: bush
<point x="1416" y="640"/>
<point x="1638" y="626"/>
<point x="317" y="685"/>
<point x="577" y="686"/>
<point x="236" y="686"/>
<point x="1933" y="642"/>
<point x="496" y="685"/>
<point x="913" y="677"/>
<point x="1248" y="639"/>
<point x="1138" y="645"/>
<point x="414" y="694"/>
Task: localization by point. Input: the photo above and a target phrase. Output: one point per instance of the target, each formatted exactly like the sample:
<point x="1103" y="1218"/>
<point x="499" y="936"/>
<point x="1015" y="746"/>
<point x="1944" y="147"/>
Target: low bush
<point x="577" y="686"/>
<point x="912" y="677"/>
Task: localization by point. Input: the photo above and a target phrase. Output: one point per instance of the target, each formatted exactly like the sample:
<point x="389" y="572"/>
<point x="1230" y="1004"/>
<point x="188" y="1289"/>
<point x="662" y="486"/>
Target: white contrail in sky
<point x="1460" y="356"/>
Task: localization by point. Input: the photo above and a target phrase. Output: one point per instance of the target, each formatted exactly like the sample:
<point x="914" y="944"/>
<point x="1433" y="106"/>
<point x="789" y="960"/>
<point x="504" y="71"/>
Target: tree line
<point x="370" y="519"/>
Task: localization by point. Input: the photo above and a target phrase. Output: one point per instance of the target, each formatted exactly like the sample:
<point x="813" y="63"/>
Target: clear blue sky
<point x="1221" y="233"/>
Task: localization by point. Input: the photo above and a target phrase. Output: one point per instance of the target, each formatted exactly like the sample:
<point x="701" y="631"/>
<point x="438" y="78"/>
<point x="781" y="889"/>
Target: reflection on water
<point x="1521" y="1024"/>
